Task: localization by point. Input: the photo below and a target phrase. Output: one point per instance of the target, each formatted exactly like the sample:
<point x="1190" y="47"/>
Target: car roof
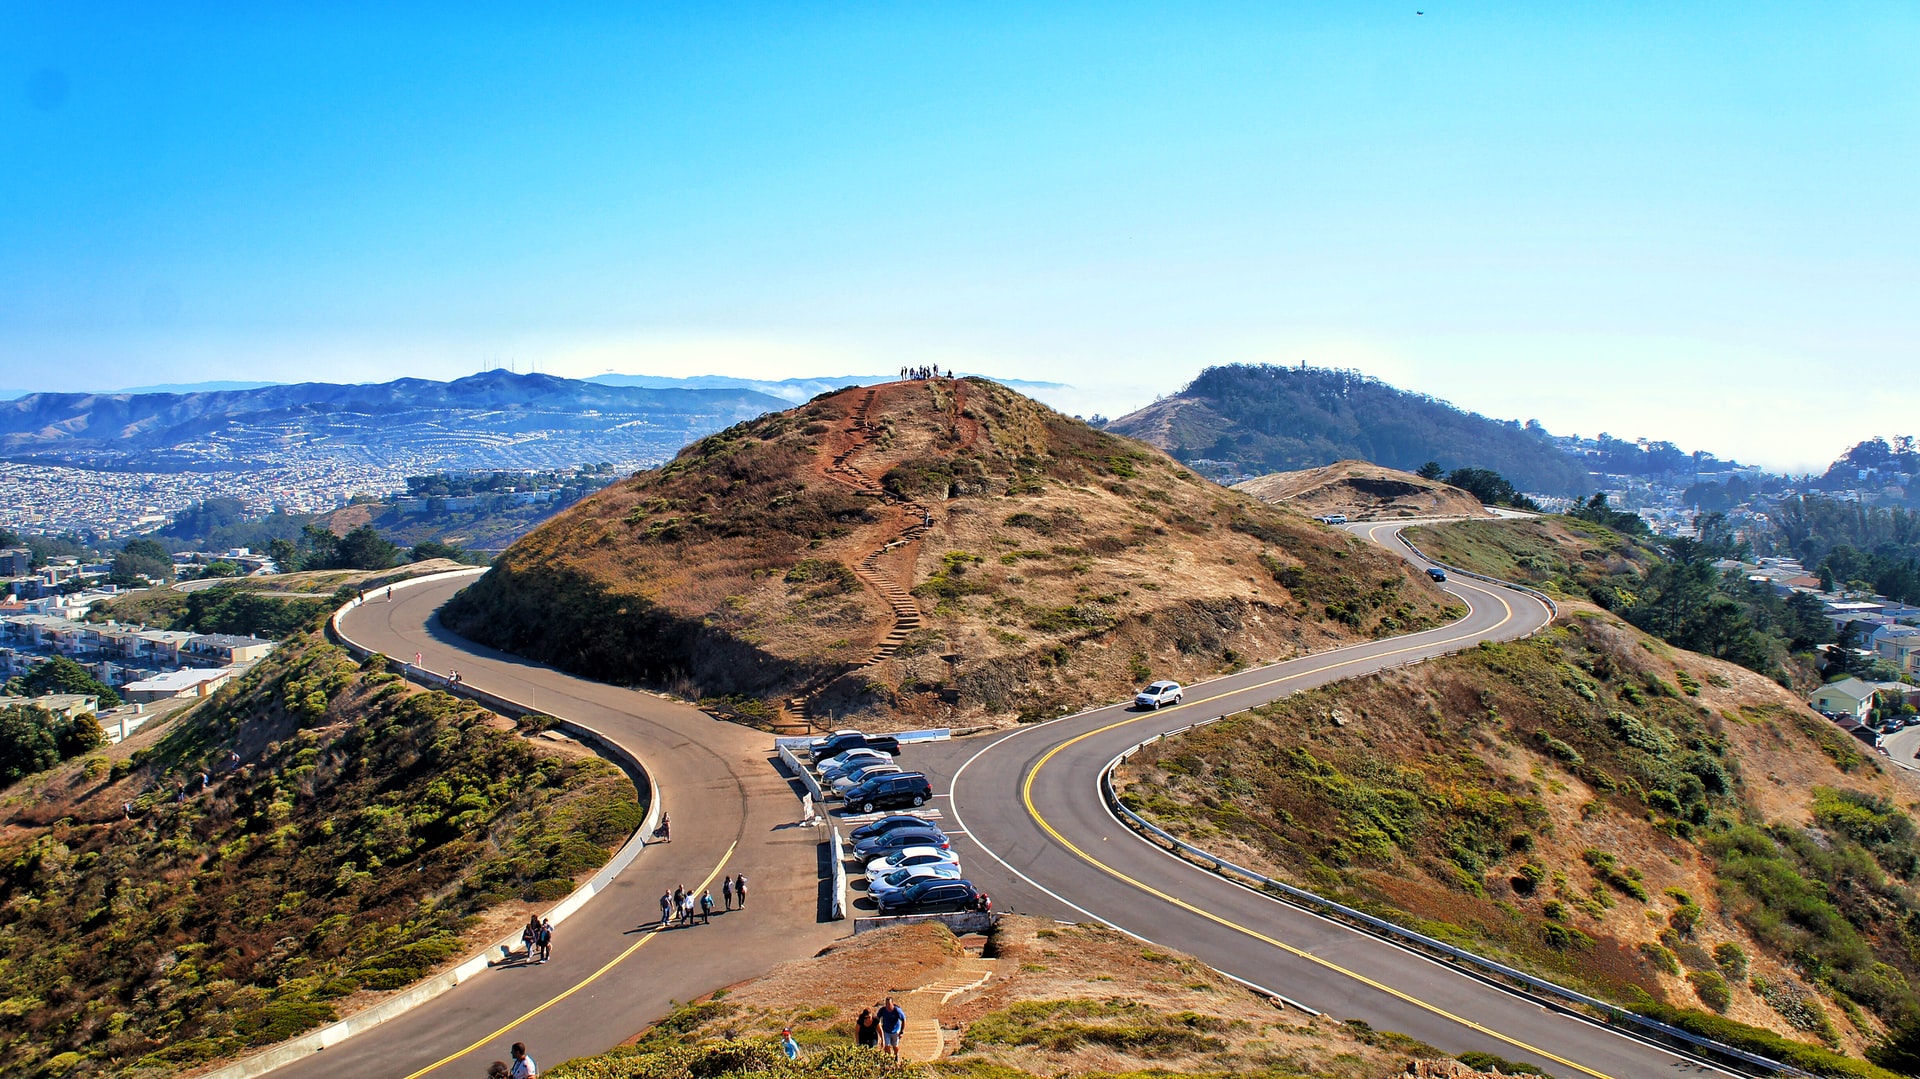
<point x="908" y="852"/>
<point x="1164" y="684"/>
<point x="910" y="834"/>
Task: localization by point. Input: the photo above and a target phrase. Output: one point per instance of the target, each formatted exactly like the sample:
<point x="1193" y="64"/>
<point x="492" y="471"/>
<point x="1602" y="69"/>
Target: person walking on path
<point x="726" y="887"/>
<point x="522" y="1063"/>
<point x="666" y="909"/>
<point x="866" y="1030"/>
<point x="740" y="890"/>
<point x="544" y="939"/>
<point x="660" y="833"/>
<point x="893" y="1020"/>
<point x="686" y="909"/>
<point x="789" y="1046"/>
<point x="706" y="907"/>
<point x="529" y="935"/>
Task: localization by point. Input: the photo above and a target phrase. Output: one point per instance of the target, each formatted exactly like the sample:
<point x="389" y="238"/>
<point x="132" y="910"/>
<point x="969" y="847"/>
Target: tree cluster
<point x="61" y="675"/>
<point x="34" y="740"/>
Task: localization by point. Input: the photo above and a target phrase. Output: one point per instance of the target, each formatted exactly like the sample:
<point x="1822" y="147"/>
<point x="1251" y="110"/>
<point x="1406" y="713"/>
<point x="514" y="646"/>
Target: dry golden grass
<point x="1362" y="489"/>
<point x="1062" y="566"/>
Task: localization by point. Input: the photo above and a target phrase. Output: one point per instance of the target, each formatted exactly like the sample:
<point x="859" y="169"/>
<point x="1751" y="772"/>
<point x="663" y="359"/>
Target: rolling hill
<point x="1359" y="489"/>
<point x="928" y="549"/>
<point x="1254" y="419"/>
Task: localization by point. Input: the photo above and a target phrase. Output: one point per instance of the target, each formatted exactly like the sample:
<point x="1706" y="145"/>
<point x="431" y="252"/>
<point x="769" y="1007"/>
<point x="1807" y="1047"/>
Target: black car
<point x="1436" y="573"/>
<point x="888" y="824"/>
<point x="841" y="741"/>
<point x="889" y="791"/>
<point x="931" y="896"/>
<point x="899" y="839"/>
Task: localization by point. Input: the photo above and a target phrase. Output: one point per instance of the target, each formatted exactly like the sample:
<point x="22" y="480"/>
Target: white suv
<point x="1158" y="694"/>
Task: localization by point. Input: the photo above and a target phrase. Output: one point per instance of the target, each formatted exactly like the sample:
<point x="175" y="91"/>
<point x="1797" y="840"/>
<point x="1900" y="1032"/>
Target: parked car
<point x="930" y="897"/>
<point x="860" y="775"/>
<point x="901" y="879"/>
<point x="839" y="760"/>
<point x="889" y="791"/>
<point x="841" y="741"/>
<point x="1436" y="573"/>
<point x="907" y="858"/>
<point x="899" y="839"/>
<point x="888" y="824"/>
<point x="1158" y="694"/>
<point x="854" y="764"/>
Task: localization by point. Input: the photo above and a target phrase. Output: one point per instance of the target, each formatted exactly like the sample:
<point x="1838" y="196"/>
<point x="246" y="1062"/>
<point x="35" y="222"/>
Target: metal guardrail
<point x="1380" y="927"/>
<point x="838" y="851"/>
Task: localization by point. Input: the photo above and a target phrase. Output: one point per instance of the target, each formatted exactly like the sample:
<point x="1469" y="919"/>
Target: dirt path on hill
<point x="905" y="522"/>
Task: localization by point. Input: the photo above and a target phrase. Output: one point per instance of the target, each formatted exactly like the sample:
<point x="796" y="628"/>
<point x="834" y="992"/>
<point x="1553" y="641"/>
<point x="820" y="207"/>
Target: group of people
<point x="880" y="1027"/>
<point x="931" y="370"/>
<point x="537" y="939"/>
<point x="681" y="906"/>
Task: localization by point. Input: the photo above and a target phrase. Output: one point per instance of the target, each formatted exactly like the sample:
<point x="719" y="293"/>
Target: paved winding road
<point x="611" y="973"/>
<point x="1038" y="830"/>
<point x="1029" y="820"/>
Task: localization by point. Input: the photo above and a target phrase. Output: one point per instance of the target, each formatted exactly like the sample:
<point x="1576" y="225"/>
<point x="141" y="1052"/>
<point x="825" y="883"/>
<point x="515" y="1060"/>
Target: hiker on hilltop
<point x="866" y="1030"/>
<point x="893" y="1021"/>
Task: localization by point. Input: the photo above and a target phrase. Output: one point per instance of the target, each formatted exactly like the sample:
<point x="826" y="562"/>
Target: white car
<point x="863" y="773"/>
<point x="841" y="760"/>
<point x="909" y="858"/>
<point x="1158" y="695"/>
<point x="904" y="878"/>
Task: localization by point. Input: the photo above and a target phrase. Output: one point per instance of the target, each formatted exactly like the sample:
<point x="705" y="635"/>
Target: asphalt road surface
<point x="1036" y="834"/>
<point x="611" y="972"/>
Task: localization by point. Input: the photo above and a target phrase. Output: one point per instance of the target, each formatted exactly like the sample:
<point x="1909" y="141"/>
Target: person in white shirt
<point x="522" y="1063"/>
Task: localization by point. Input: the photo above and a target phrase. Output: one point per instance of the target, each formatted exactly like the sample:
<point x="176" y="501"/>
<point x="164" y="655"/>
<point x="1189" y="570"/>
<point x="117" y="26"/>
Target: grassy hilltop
<point x="1046" y="565"/>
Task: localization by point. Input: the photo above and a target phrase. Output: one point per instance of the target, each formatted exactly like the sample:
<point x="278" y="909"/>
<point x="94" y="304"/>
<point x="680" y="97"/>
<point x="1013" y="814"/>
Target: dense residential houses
<point x="124" y="656"/>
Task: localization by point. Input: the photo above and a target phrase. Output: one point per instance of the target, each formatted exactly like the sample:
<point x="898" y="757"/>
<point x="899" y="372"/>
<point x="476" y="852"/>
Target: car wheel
<point x="917" y="800"/>
<point x="867" y="808"/>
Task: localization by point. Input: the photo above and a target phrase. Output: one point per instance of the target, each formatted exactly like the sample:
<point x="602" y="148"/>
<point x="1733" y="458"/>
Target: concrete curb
<point x="414" y="996"/>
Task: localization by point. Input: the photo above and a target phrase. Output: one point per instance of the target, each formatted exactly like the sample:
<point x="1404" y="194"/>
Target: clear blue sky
<point x="1691" y="221"/>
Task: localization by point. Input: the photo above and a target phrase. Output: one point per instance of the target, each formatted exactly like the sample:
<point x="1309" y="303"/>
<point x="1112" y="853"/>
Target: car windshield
<point x="897" y="876"/>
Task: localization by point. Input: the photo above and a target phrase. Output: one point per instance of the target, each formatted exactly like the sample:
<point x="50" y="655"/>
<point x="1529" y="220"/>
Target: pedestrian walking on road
<point x="660" y="833"/>
<point x="544" y="940"/>
<point x="706" y="908"/>
<point x="866" y="1030"/>
<point x="522" y="1063"/>
<point x="530" y="934"/>
<point x="726" y="888"/>
<point x="666" y="909"/>
<point x="740" y="890"/>
<point x="686" y="909"/>
<point x="893" y="1020"/>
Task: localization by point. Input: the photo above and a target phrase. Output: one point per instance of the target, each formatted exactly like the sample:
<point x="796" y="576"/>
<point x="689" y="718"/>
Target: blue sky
<point x="1696" y="222"/>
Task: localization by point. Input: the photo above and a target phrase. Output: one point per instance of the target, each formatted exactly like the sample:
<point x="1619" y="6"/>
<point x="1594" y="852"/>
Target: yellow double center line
<point x="1026" y="795"/>
<point x="581" y="984"/>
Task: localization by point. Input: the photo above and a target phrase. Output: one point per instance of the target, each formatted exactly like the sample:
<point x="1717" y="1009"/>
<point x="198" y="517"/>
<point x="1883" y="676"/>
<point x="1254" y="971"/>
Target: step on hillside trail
<point x="909" y="524"/>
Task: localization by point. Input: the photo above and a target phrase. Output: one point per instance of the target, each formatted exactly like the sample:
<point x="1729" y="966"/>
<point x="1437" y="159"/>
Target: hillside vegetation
<point x="368" y="833"/>
<point x="1673" y="832"/>
<point x="996" y="558"/>
<point x="1062" y="1001"/>
<point x="1263" y="418"/>
<point x="1359" y="489"/>
<point x="1673" y="592"/>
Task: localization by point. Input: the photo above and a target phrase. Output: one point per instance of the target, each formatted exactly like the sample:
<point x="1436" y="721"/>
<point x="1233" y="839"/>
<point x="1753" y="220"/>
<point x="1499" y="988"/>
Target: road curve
<point x="1029" y="802"/>
<point x="611" y="974"/>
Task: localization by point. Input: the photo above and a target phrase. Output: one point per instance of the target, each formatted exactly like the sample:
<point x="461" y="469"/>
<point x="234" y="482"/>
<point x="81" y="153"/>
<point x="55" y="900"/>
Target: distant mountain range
<point x="790" y="390"/>
<point x="494" y="419"/>
<point x="1244" y="419"/>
